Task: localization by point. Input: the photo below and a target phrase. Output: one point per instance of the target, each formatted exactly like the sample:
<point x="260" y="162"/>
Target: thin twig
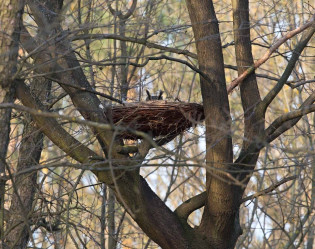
<point x="266" y="56"/>
<point x="269" y="189"/>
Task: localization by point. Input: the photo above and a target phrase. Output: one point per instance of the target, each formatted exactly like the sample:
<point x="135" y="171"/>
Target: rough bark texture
<point x="10" y="23"/>
<point x="221" y="206"/>
<point x="6" y="96"/>
<point x="22" y="201"/>
<point x="254" y="122"/>
<point x="29" y="155"/>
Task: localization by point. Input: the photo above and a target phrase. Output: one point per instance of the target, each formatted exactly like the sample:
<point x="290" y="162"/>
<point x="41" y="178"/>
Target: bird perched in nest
<point x="154" y="97"/>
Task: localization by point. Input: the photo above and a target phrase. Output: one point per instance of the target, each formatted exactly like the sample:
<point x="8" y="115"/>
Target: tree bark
<point x="219" y="222"/>
<point x="253" y="121"/>
<point x="6" y="96"/>
<point x="10" y="24"/>
<point x="29" y="156"/>
<point x="112" y="242"/>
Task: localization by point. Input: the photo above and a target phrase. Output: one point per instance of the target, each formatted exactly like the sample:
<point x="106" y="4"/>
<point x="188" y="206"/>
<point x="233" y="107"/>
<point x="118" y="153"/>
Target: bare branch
<point x="288" y="120"/>
<point x="176" y="60"/>
<point x="300" y="83"/>
<point x="50" y="126"/>
<point x="131" y="10"/>
<point x="262" y="107"/>
<point x="185" y="209"/>
<point x="289" y="116"/>
<point x="272" y="134"/>
<point x="84" y="89"/>
<point x="142" y="41"/>
<point x="118" y="13"/>
<point x="151" y="58"/>
<point x="266" y="56"/>
<point x="269" y="189"/>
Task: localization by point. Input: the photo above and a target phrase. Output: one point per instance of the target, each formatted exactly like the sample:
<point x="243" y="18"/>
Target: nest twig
<point x="157" y="118"/>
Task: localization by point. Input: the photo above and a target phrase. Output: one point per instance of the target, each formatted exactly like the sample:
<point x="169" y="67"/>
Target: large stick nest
<point x="157" y="118"/>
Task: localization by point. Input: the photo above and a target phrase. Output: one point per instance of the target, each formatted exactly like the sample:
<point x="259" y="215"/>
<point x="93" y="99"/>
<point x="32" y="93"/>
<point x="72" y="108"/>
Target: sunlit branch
<point x="286" y="74"/>
<point x="272" y="49"/>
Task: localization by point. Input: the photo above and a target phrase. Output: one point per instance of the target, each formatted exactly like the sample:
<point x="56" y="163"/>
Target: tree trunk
<point x="220" y="219"/>
<point x="29" y="155"/>
<point x="6" y="96"/>
<point x="112" y="242"/>
<point x="253" y="121"/>
<point x="10" y="24"/>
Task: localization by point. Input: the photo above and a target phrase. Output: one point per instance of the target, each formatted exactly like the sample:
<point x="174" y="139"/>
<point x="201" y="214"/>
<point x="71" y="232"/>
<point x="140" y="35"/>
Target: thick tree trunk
<point x="10" y="24"/>
<point x="219" y="222"/>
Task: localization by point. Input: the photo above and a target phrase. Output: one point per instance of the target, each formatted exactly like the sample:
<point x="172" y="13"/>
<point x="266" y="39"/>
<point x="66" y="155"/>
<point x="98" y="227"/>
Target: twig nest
<point x="157" y="118"/>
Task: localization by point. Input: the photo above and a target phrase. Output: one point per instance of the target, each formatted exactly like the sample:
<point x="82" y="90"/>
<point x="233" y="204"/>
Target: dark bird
<point x="154" y="97"/>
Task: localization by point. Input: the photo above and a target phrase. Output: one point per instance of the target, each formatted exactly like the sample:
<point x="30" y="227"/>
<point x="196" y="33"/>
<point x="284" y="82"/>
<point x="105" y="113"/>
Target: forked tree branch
<point x="283" y="123"/>
<point x="288" y="120"/>
<point x="51" y="127"/>
<point x="288" y="116"/>
<point x="262" y="107"/>
<point x="267" y="55"/>
<point x="119" y="13"/>
<point x="256" y="146"/>
<point x="250" y="96"/>
<point x="185" y="209"/>
<point x="269" y="189"/>
<point x="151" y="219"/>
